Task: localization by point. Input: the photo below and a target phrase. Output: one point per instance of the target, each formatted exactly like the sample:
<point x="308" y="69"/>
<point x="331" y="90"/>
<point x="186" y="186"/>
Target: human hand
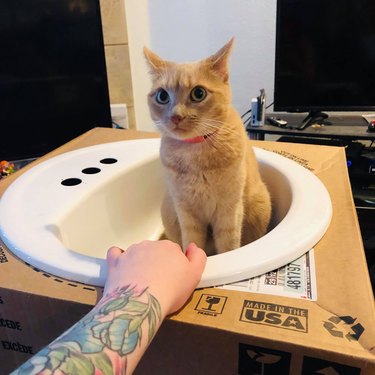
<point x="161" y="266"/>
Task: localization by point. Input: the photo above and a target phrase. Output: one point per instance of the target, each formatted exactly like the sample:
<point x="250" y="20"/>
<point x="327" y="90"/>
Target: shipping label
<point x="297" y="279"/>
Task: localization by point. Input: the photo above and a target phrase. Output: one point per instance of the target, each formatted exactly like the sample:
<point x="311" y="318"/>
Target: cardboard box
<point x="221" y="331"/>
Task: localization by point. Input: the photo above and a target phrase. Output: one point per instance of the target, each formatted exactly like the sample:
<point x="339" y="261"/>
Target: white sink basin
<point x="62" y="215"/>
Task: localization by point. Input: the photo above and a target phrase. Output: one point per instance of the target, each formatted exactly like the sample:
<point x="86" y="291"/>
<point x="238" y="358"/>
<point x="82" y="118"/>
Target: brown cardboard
<point x="243" y="333"/>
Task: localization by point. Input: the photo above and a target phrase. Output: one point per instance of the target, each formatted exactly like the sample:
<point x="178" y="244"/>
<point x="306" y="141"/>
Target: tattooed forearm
<point x="103" y="339"/>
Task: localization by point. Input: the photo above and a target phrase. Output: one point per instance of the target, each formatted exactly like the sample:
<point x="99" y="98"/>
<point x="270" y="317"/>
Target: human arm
<point x="147" y="282"/>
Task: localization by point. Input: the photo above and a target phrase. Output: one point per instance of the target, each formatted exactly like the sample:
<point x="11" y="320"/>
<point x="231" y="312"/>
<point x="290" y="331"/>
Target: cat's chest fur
<point x="221" y="155"/>
<point x="199" y="176"/>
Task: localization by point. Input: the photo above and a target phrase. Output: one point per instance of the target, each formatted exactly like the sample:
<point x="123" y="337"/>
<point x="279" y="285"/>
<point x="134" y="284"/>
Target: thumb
<point x="112" y="254"/>
<point x="197" y="257"/>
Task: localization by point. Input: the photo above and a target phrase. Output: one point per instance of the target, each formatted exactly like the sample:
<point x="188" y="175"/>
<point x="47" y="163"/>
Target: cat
<point x="214" y="191"/>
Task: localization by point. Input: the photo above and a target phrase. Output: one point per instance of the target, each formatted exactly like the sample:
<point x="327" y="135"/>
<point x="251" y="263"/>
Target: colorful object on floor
<point x="6" y="168"/>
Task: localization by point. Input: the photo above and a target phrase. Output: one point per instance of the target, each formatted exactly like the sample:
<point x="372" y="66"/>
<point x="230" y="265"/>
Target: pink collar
<point x="199" y="138"/>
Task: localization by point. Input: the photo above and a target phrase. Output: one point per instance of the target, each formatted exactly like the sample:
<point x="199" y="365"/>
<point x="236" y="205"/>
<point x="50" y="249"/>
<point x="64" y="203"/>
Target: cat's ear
<point x="220" y="60"/>
<point x="155" y="62"/>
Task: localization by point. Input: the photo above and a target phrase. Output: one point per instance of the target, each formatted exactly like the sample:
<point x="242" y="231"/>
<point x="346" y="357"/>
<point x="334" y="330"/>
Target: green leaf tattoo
<point x="114" y="326"/>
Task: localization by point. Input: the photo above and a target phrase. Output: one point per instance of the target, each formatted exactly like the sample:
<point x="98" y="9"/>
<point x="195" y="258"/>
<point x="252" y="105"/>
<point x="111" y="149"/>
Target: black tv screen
<point x="53" y="80"/>
<point x="325" y="55"/>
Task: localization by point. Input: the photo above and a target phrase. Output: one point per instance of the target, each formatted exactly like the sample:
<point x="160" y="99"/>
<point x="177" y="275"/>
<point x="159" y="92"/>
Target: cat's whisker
<point x="210" y="126"/>
<point x="207" y="125"/>
<point x="216" y="124"/>
<point x="217" y="142"/>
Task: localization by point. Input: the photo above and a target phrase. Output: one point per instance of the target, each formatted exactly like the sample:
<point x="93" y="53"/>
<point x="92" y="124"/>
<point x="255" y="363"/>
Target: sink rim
<point x="315" y="213"/>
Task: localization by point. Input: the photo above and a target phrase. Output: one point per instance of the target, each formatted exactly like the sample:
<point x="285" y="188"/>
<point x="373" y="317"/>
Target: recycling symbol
<point x="337" y="326"/>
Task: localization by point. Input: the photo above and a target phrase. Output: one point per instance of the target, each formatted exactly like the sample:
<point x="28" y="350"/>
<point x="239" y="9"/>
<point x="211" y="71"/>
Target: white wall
<point x="188" y="30"/>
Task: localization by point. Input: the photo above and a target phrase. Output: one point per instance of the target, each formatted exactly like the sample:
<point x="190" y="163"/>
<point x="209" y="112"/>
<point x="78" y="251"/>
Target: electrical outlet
<point x="119" y="114"/>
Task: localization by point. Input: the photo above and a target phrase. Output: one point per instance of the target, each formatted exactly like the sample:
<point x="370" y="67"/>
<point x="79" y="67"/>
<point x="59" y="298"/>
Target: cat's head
<point x="189" y="100"/>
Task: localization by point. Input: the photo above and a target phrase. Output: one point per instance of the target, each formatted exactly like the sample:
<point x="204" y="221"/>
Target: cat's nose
<point x="176" y="119"/>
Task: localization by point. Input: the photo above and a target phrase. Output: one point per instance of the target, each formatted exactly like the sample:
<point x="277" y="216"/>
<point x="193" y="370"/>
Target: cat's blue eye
<point x="162" y="96"/>
<point x="198" y="94"/>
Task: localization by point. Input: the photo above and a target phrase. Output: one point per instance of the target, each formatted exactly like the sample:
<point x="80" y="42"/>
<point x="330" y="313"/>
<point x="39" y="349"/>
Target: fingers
<point x="195" y="255"/>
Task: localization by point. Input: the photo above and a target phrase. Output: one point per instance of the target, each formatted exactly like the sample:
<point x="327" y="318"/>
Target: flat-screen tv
<point x="53" y="79"/>
<point x="325" y="56"/>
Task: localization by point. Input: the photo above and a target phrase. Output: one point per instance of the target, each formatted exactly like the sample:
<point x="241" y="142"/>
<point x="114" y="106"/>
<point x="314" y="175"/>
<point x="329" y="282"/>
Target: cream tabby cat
<point x="213" y="186"/>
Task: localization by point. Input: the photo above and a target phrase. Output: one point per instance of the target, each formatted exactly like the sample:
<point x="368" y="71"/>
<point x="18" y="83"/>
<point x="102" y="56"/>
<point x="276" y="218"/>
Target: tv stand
<point x="314" y="117"/>
<point x="343" y="127"/>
